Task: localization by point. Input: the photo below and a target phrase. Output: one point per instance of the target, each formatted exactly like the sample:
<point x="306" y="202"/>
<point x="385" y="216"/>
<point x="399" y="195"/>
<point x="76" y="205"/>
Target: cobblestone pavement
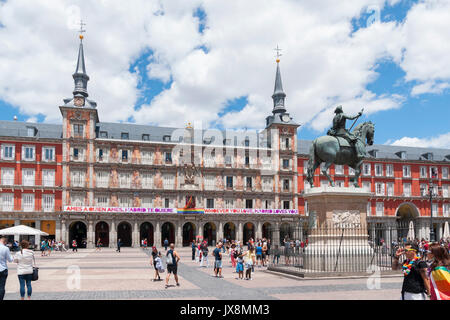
<point x="128" y="275"/>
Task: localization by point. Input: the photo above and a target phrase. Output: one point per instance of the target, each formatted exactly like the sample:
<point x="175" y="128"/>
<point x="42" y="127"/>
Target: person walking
<point x="155" y="257"/>
<point x="166" y="244"/>
<point x="24" y="260"/>
<point x="439" y="273"/>
<point x="240" y="265"/>
<point x="249" y="261"/>
<point x="74" y="246"/>
<point x="259" y="251"/>
<point x="119" y="244"/>
<point x="193" y="250"/>
<point x="172" y="259"/>
<point x="205" y="252"/>
<point x="218" y="260"/>
<point x="233" y="255"/>
<point x="99" y="245"/>
<point x="415" y="282"/>
<point x="5" y="257"/>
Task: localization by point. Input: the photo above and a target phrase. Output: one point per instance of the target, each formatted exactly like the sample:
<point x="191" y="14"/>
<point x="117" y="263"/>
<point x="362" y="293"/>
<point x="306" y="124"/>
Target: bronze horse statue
<point x="337" y="150"/>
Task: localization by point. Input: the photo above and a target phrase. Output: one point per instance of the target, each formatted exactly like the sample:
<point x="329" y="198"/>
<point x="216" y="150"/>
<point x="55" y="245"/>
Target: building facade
<point x="86" y="180"/>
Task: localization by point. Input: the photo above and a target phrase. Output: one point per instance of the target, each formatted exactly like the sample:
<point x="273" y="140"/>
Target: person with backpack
<point x="205" y="252"/>
<point x="166" y="244"/>
<point x="218" y="260"/>
<point x="74" y="246"/>
<point x="172" y="259"/>
<point x="155" y="255"/>
<point x="24" y="260"/>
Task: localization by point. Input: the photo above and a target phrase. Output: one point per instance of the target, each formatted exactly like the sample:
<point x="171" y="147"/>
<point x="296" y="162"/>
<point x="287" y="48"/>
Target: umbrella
<point x="410" y="235"/>
<point x="446" y="231"/>
<point x="22" y="230"/>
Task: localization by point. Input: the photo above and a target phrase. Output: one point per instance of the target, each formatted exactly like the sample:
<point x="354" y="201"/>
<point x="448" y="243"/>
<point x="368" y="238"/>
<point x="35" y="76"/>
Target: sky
<point x="168" y="63"/>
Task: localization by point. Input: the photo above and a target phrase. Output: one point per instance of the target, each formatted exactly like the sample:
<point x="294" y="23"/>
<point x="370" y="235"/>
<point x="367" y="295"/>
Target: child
<point x="240" y="266"/>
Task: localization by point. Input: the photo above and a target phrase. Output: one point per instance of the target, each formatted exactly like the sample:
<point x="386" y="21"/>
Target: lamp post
<point x="431" y="194"/>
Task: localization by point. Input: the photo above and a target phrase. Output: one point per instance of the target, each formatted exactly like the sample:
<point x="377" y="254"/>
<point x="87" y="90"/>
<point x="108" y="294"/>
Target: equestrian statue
<point x="340" y="146"/>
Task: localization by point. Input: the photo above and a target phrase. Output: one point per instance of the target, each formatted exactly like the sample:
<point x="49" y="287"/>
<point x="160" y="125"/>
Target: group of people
<point x="24" y="258"/>
<point x="172" y="259"/>
<point x="47" y="246"/>
<point x="426" y="273"/>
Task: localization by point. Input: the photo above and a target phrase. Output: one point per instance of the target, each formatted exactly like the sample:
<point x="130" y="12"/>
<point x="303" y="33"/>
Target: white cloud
<point x="441" y="141"/>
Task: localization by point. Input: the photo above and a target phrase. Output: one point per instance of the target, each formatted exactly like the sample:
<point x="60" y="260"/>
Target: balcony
<point x="45" y="183"/>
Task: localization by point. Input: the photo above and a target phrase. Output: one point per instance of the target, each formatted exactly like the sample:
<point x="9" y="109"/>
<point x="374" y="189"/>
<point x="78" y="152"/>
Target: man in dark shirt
<point x="415" y="281"/>
<point x="172" y="264"/>
<point x="218" y="260"/>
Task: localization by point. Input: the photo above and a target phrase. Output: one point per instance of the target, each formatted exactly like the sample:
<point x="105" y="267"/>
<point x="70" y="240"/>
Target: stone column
<point x="90" y="235"/>
<point x="276" y="234"/>
<point x="200" y="228"/>
<point x="113" y="235"/>
<point x="258" y="233"/>
<point x="219" y="234"/>
<point x="240" y="234"/>
<point x="37" y="238"/>
<point x="58" y="234"/>
<point x="64" y="233"/>
<point x="179" y="235"/>
<point x="16" y="236"/>
<point x="157" y="240"/>
<point x="135" y="242"/>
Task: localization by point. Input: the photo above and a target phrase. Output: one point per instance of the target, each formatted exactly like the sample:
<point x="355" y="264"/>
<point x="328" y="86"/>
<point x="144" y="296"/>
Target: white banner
<point x="253" y="211"/>
<point x="119" y="210"/>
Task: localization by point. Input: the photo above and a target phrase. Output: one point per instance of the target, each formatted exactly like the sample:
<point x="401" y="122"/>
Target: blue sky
<point x="161" y="77"/>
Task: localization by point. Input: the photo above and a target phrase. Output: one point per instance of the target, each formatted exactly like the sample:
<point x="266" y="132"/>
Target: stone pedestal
<point x="338" y="237"/>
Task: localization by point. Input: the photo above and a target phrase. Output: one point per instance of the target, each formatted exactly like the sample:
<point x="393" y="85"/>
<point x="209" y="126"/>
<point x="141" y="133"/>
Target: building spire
<point x="278" y="93"/>
<point x="80" y="77"/>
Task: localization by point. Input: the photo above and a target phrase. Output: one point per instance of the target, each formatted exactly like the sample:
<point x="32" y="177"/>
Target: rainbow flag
<point x="440" y="284"/>
<point x="191" y="211"/>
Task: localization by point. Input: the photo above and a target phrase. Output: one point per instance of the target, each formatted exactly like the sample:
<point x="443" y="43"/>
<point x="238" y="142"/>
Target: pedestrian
<point x="74" y="246"/>
<point x="233" y="255"/>
<point x="24" y="260"/>
<point x="240" y="265"/>
<point x="193" y="250"/>
<point x="99" y="245"/>
<point x="415" y="282"/>
<point x="155" y="263"/>
<point x="258" y="254"/>
<point x="218" y="260"/>
<point x="249" y="261"/>
<point x="5" y="257"/>
<point x="166" y="244"/>
<point x="440" y="273"/>
<point x="43" y="248"/>
<point x="264" y="253"/>
<point x="268" y="250"/>
<point x="205" y="252"/>
<point x="119" y="244"/>
<point x="276" y="254"/>
<point x="172" y="259"/>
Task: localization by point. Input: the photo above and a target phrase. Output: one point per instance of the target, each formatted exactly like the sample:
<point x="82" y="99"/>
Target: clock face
<point x="78" y="102"/>
<point x="285" y="118"/>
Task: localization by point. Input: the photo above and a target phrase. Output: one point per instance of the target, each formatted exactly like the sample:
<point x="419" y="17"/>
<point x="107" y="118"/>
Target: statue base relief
<point x="337" y="233"/>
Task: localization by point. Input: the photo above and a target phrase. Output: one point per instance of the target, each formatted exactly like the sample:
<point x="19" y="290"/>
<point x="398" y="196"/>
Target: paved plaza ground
<point x="128" y="275"/>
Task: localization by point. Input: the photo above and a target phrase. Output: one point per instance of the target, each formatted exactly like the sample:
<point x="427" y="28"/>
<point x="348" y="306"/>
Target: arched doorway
<point x="102" y="233"/>
<point x="124" y="234"/>
<point x="229" y="231"/>
<point x="168" y="232"/>
<point x="266" y="227"/>
<point x="286" y="233"/>
<point x="78" y="232"/>
<point x="249" y="232"/>
<point x="188" y="233"/>
<point x="406" y="213"/>
<point x="146" y="232"/>
<point x="209" y="233"/>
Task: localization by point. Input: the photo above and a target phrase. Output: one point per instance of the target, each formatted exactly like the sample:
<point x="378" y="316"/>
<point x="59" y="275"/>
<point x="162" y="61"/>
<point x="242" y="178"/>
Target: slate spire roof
<point x="80" y="76"/>
<point x="278" y="93"/>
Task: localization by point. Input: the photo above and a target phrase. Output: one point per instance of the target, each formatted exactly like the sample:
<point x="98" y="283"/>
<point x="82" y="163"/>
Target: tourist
<point x="415" y="281"/>
<point x="258" y="254"/>
<point x="74" y="246"/>
<point x="264" y="253"/>
<point x="166" y="244"/>
<point x="99" y="245"/>
<point x="119" y="244"/>
<point x="249" y="261"/>
<point x="193" y="250"/>
<point x="439" y="273"/>
<point x="276" y="254"/>
<point x="205" y="251"/>
<point x="155" y="263"/>
<point x="268" y="253"/>
<point x="159" y="268"/>
<point x="218" y="260"/>
<point x="43" y="248"/>
<point x="172" y="259"/>
<point x="49" y="247"/>
<point x="240" y="265"/>
<point x="24" y="260"/>
<point x="233" y="255"/>
<point x="5" y="257"/>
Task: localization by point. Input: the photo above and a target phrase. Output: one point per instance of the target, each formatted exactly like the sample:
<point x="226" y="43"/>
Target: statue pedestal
<point x="337" y="236"/>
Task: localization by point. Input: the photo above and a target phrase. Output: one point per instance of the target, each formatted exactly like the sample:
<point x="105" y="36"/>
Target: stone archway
<point x="286" y="232"/>
<point x="78" y="232"/>
<point x="229" y="231"/>
<point x="209" y="233"/>
<point x="189" y="233"/>
<point x="146" y="231"/>
<point x="248" y="232"/>
<point x="102" y="233"/>
<point x="266" y="230"/>
<point x="124" y="233"/>
<point x="406" y="213"/>
<point x="168" y="232"/>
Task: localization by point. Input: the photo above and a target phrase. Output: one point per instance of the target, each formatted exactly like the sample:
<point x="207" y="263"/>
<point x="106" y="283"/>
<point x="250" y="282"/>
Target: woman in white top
<point x="24" y="260"/>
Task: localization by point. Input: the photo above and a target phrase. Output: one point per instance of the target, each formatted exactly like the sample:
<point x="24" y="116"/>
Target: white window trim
<point x="24" y="153"/>
<point x="9" y="180"/>
<point x="53" y="154"/>
<point x="3" y="157"/>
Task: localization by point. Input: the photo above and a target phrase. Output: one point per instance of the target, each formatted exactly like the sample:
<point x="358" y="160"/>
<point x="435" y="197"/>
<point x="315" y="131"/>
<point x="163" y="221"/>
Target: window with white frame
<point x="248" y="183"/>
<point x="8" y="176"/>
<point x="351" y="171"/>
<point x="102" y="179"/>
<point x="168" y="181"/>
<point x="125" y="179"/>
<point x="77" y="178"/>
<point x="286" y="185"/>
<point x="379" y="188"/>
<point x="147" y="157"/>
<point x="434" y="172"/>
<point x="445" y="190"/>
<point x="147" y="180"/>
<point x="380" y="208"/>
<point x="7" y="201"/>
<point x="125" y="155"/>
<point x="286" y="204"/>
<point x="48" y="154"/>
<point x="102" y="154"/>
<point x="338" y="169"/>
<point x="28" y="201"/>
<point x="147" y="202"/>
<point x="77" y="154"/>
<point x="78" y="130"/>
<point x="389" y="170"/>
<point x="285" y="164"/>
<point x="446" y="210"/>
<point x="407" y="189"/>
<point x="77" y="199"/>
<point x="378" y="169"/>
<point x="48" y="202"/>
<point x="423" y="189"/>
<point x="229" y="182"/>
<point x="102" y="200"/>
<point x="167" y="202"/>
<point x="406" y="171"/>
<point x="367" y="186"/>
<point x="340" y="183"/>
<point x="423" y="172"/>
<point x="124" y="201"/>
<point x="48" y="178"/>
<point x="366" y="169"/>
<point x="210" y="203"/>
<point x="210" y="182"/>
<point x="267" y="184"/>
<point x="229" y="203"/>
<point x="444" y="172"/>
<point x="435" y="209"/>
<point x="369" y="208"/>
<point x="28" y="153"/>
<point x="168" y="157"/>
<point x="28" y="177"/>
<point x="248" y="203"/>
<point x="267" y="204"/>
<point x="8" y="151"/>
<point x="390" y="189"/>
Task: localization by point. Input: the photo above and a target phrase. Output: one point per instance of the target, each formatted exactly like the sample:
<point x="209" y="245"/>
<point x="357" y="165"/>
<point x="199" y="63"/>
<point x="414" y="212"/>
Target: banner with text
<point x="119" y="210"/>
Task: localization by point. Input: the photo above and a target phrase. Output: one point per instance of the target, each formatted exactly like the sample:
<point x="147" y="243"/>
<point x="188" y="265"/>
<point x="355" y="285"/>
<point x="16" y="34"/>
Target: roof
<point x="20" y="129"/>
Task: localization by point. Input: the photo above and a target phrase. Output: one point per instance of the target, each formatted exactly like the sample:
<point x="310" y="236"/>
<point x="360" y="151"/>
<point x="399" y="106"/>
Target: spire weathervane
<point x="81" y="31"/>
<point x="278" y="53"/>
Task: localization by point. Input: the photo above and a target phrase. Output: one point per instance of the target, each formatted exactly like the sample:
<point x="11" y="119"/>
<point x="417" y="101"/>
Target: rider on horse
<point x="339" y="130"/>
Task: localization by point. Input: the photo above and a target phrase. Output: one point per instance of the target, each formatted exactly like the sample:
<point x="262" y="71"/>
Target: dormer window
<point x="31" y="131"/>
<point x="103" y="134"/>
<point x="124" y="136"/>
<point x="207" y="141"/>
<point x="430" y="156"/>
<point x="146" y="137"/>
<point x="166" y="138"/>
<point x="374" y="153"/>
<point x="402" y="155"/>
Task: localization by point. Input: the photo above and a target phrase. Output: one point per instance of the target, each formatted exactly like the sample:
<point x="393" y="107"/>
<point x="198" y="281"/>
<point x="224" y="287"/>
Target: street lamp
<point x="431" y="194"/>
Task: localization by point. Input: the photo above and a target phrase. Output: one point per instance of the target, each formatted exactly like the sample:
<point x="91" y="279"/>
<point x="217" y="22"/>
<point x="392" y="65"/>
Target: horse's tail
<point x="311" y="160"/>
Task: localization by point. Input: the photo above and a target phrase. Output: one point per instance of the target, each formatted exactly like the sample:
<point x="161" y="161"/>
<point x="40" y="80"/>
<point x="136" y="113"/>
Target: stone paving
<point x="128" y="275"/>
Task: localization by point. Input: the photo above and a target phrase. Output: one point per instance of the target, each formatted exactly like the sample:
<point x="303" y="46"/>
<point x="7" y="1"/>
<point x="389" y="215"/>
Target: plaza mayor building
<point x="86" y="180"/>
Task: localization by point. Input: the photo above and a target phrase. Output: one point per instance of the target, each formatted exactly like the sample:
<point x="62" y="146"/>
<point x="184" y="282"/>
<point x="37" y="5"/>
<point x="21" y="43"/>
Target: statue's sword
<point x="362" y="110"/>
